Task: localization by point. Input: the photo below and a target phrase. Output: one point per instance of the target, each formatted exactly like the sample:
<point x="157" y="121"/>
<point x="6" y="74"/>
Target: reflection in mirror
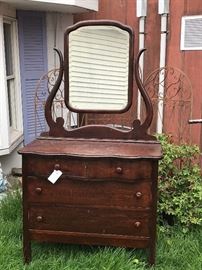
<point x="98" y="68"/>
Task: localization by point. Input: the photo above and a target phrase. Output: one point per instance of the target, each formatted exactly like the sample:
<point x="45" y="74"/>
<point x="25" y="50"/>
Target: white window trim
<point x="9" y="137"/>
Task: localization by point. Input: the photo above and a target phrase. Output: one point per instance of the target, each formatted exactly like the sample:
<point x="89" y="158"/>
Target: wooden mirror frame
<point x="117" y="25"/>
<point x="137" y="132"/>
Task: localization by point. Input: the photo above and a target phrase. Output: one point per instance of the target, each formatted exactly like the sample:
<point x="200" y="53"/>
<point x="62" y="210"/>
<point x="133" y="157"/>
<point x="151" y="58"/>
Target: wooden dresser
<point x="106" y="195"/>
<point x="107" y="191"/>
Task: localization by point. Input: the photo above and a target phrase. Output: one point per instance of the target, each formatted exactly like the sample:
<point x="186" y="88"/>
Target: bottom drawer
<point x="89" y="220"/>
<point x="129" y="241"/>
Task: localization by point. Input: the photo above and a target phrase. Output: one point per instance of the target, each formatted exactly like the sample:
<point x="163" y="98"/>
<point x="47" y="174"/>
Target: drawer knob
<point x="119" y="170"/>
<point x="38" y="190"/>
<point x="39" y="218"/>
<point x="138" y="194"/>
<point x="137" y="224"/>
<point x="57" y="166"/>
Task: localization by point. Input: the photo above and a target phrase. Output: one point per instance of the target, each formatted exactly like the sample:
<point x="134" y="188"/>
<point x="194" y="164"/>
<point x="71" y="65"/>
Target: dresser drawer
<point x="119" y="169"/>
<point x="82" y="192"/>
<point x="44" y="166"/>
<point x="91" y="168"/>
<point x="89" y="220"/>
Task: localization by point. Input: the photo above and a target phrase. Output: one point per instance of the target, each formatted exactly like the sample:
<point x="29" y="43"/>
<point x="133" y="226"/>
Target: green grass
<point x="175" y="250"/>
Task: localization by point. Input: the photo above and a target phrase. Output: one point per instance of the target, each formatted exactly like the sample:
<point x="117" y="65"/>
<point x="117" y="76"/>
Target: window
<point x="191" y="33"/>
<point x="10" y="96"/>
<point x="10" y="77"/>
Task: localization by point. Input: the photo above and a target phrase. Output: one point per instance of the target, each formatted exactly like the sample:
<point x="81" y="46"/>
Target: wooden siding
<point x="189" y="62"/>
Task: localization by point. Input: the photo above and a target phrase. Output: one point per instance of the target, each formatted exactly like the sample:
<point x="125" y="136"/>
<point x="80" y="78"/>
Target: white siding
<point x="56" y="25"/>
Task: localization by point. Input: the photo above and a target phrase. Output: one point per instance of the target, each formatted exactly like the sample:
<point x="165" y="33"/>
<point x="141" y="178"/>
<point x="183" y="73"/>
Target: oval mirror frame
<point x="83" y="76"/>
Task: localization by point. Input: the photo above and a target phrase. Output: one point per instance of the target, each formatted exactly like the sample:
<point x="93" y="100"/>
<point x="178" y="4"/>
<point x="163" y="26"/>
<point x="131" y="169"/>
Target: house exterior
<point x="169" y="30"/>
<point x="29" y="30"/>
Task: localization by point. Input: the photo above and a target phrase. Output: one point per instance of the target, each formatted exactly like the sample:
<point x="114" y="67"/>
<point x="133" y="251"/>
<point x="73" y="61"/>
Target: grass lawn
<point x="175" y="250"/>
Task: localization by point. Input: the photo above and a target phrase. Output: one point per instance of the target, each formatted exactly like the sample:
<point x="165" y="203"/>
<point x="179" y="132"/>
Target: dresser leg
<point x="27" y="251"/>
<point x="152" y="255"/>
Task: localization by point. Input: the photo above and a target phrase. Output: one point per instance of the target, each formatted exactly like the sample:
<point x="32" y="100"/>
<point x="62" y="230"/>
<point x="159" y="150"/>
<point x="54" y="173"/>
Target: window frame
<point x="183" y="46"/>
<point x="11" y="135"/>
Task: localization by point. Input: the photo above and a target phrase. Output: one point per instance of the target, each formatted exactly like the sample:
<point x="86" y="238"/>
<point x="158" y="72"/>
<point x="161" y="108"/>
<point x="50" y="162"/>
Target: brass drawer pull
<point x="39" y="218"/>
<point x="119" y="170"/>
<point x="57" y="166"/>
<point x="137" y="224"/>
<point x="38" y="190"/>
<point x="138" y="194"/>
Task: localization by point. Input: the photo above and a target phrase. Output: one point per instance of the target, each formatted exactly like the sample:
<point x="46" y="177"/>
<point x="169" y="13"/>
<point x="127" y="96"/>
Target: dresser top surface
<point x="93" y="148"/>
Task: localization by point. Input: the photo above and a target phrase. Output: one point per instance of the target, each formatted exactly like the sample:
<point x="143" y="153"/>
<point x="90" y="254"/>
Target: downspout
<point x="141" y="63"/>
<point x="163" y="10"/>
<point x="141" y="11"/>
<point x="55" y="21"/>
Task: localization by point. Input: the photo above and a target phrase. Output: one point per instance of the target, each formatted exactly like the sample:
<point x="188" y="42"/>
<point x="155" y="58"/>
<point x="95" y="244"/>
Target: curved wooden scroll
<point x="56" y="128"/>
<point x="145" y="96"/>
<point x="138" y="132"/>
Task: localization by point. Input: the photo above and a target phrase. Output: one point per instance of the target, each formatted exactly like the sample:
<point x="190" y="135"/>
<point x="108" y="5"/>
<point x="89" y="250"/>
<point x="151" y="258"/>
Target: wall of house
<point x="13" y="160"/>
<point x="189" y="62"/>
<point x="56" y="24"/>
<point x="7" y="10"/>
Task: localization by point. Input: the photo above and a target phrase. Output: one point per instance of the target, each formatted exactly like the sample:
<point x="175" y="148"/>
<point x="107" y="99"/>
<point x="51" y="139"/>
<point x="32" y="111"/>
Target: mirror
<point x="98" y="67"/>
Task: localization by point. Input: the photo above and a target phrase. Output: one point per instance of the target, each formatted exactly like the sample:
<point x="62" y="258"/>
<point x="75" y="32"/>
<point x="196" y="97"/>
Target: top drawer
<point x="89" y="168"/>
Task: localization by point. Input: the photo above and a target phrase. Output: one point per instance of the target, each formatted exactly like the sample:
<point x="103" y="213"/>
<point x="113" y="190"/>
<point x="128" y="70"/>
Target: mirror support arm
<point x="55" y="127"/>
<point x="149" y="109"/>
<point x="140" y="130"/>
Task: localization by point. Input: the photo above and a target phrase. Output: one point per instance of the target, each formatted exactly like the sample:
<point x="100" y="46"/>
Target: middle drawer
<point x="135" y="194"/>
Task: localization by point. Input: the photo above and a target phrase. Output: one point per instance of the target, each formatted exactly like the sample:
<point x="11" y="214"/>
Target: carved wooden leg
<point x="152" y="254"/>
<point x="152" y="245"/>
<point x="26" y="249"/>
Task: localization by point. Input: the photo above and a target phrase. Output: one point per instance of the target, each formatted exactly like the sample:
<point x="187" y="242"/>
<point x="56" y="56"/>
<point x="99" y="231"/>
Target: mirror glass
<point x="98" y="62"/>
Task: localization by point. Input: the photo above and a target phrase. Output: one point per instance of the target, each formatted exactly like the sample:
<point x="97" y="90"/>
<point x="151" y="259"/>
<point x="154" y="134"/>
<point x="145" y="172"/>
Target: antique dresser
<point x="96" y="184"/>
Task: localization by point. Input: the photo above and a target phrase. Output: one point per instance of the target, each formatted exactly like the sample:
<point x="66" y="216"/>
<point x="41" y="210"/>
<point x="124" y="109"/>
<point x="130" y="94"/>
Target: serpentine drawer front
<point x="103" y="199"/>
<point x="136" y="194"/>
<point x="90" y="168"/>
<point x="70" y="218"/>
